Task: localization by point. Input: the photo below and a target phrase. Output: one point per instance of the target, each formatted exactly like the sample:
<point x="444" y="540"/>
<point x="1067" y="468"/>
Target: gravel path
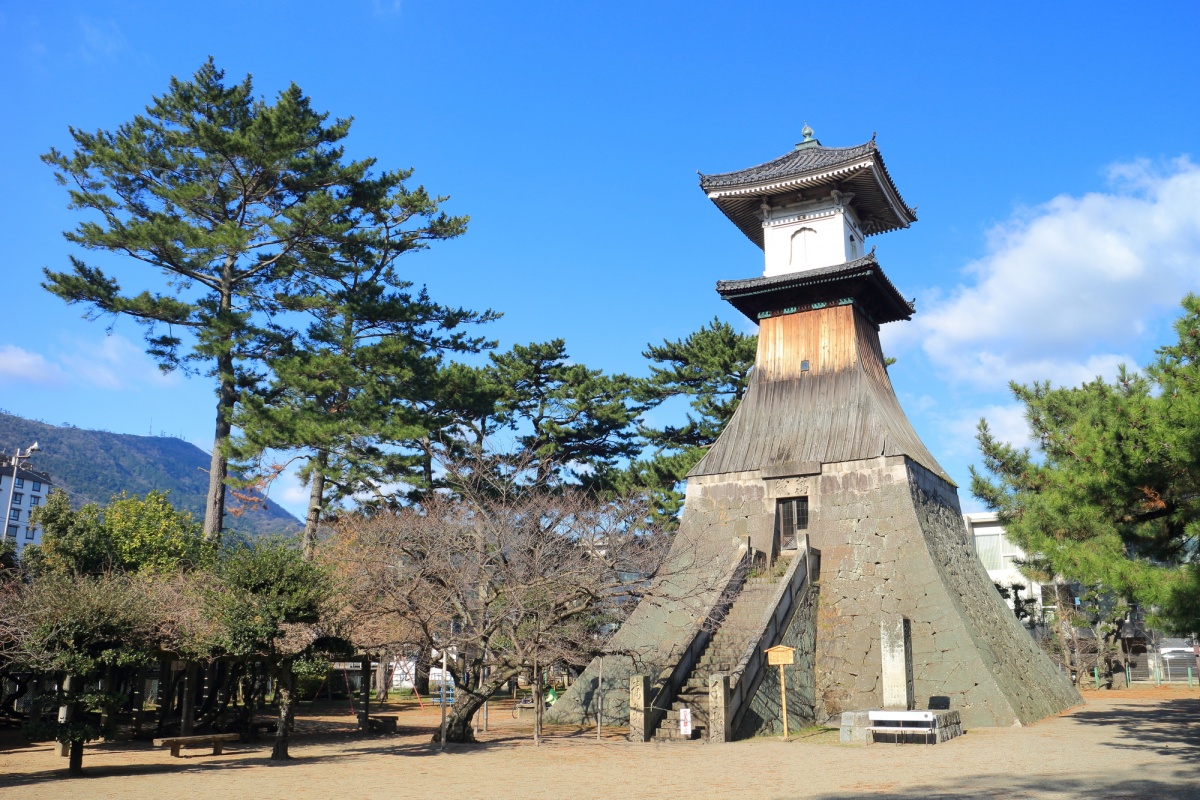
<point x="1136" y="744"/>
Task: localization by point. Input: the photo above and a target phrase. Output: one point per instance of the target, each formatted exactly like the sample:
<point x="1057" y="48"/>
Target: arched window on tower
<point x="801" y="245"/>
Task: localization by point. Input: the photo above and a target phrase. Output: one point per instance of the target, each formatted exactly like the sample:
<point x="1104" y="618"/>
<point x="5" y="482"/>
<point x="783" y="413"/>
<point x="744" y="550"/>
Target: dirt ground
<point x="1141" y="743"/>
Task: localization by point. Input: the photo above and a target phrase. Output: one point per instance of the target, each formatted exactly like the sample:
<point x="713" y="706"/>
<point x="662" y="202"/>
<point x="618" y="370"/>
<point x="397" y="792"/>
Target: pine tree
<point x="566" y="415"/>
<point x="227" y="197"/>
<point x="710" y="366"/>
<point x="1111" y="497"/>
<point x="351" y="388"/>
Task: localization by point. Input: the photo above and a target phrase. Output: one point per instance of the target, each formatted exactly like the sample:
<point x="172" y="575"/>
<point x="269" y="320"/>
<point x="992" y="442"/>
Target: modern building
<point x="27" y="490"/>
<point x="1001" y="558"/>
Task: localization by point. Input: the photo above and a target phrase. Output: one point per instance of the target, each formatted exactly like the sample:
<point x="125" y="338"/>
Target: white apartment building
<point x="999" y="555"/>
<point x="20" y="497"/>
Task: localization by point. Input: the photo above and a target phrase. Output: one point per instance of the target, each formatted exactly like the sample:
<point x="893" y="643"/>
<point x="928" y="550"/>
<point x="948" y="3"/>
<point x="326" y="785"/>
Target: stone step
<point x="664" y="734"/>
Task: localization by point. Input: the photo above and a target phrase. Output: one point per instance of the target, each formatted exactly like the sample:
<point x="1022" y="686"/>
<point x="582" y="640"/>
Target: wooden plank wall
<point x="842" y="409"/>
<point x="828" y="338"/>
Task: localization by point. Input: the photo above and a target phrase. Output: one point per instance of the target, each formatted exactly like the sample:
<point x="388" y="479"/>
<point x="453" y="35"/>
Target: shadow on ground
<point x="1169" y="728"/>
<point x="409" y="742"/>
<point x="1094" y="788"/>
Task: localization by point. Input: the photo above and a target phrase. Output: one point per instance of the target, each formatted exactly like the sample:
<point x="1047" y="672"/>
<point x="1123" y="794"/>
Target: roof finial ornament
<point x="809" y="139"/>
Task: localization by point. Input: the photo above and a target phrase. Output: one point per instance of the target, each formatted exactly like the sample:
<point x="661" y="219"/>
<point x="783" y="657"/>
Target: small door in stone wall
<point x="791" y="521"/>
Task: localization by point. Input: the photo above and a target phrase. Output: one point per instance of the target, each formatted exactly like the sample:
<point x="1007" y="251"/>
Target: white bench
<point x="904" y="723"/>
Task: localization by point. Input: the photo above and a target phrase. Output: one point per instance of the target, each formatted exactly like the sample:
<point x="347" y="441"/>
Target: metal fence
<point x="1155" y="668"/>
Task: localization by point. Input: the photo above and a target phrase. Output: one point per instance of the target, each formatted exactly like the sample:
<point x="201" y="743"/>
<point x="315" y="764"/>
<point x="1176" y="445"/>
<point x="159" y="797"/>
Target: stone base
<point x="855" y="729"/>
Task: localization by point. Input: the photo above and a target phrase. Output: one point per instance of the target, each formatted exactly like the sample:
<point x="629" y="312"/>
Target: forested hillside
<point x="92" y="466"/>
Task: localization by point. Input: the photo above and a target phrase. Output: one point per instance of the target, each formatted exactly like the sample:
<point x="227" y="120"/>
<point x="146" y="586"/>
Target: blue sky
<point x="1050" y="149"/>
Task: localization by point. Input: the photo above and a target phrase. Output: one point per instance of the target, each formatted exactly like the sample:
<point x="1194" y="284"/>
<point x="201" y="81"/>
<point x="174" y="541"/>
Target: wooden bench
<point x="904" y="723"/>
<point x="382" y="724"/>
<point x="217" y="740"/>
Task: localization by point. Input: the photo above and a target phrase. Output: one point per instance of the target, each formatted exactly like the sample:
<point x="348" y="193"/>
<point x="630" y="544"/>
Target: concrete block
<point x="853" y="729"/>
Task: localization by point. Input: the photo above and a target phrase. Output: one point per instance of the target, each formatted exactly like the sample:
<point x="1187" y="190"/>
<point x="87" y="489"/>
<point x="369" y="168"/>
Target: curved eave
<point x="877" y="201"/>
<point x="861" y="281"/>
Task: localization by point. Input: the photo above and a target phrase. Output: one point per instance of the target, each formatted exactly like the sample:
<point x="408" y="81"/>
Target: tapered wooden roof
<point x="813" y="170"/>
<point x="819" y="394"/>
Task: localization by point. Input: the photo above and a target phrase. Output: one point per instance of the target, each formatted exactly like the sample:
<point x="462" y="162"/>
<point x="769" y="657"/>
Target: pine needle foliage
<point x="227" y="198"/>
<point x="1109" y="495"/>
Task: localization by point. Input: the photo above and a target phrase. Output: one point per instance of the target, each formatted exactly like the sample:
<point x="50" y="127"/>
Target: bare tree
<point x="511" y="579"/>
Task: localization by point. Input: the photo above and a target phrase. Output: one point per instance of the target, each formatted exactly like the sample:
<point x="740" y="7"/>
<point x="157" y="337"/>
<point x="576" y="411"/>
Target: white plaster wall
<point x="798" y="239"/>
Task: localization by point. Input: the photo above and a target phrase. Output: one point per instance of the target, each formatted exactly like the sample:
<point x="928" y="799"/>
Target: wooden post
<point x="600" y="700"/>
<point x="539" y="703"/>
<point x="137" y="698"/>
<point x="164" y="697"/>
<point x="364" y="694"/>
<point x="783" y="698"/>
<point x="188" y="706"/>
<point x="442" y="744"/>
<point x="782" y="656"/>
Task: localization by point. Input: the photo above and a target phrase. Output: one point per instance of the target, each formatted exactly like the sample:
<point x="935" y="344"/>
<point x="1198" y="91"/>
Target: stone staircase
<point x="742" y="624"/>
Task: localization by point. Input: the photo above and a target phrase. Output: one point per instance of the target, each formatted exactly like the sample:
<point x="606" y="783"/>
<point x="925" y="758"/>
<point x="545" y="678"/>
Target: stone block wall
<point x="718" y="515"/>
<point x="764" y="716"/>
<point x="893" y="542"/>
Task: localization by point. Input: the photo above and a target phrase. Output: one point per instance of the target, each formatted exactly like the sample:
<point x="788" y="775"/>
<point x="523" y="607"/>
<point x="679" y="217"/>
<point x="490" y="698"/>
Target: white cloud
<point x="1006" y="422"/>
<point x="288" y="490"/>
<point x="102" y="39"/>
<point x="18" y="366"/>
<point x="1067" y="287"/>
<point x="112" y="362"/>
<point x="387" y="8"/>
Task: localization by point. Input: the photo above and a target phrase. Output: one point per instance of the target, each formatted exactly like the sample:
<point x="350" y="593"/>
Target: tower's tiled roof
<point x="797" y="162"/>
<point x="813" y="169"/>
<point x="861" y="280"/>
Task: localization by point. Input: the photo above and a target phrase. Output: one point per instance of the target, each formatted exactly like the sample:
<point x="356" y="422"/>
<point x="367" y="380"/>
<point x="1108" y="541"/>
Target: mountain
<point x="92" y="466"/>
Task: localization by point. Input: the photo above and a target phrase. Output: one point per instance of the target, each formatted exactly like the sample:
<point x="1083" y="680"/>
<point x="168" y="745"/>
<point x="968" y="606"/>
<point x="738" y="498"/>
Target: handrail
<point x="656" y="711"/>
<point x="748" y="674"/>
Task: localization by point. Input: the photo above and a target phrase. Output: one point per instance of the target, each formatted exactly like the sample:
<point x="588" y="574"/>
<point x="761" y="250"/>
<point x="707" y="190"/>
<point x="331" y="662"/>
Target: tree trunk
<point x="383" y="677"/>
<point x="75" y="763"/>
<point x="187" y="715"/>
<point x="218" y="470"/>
<point x="66" y="712"/>
<point x="316" y="502"/>
<point x="469" y="697"/>
<point x="364" y="694"/>
<point x="421" y="671"/>
<point x="285" y="691"/>
<point x="427" y="462"/>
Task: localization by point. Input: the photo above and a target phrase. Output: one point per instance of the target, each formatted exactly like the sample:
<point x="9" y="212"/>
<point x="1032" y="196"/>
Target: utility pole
<point x="15" y="463"/>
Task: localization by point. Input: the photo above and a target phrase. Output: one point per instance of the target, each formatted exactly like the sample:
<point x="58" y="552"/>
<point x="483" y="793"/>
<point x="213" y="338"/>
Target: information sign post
<point x="783" y="656"/>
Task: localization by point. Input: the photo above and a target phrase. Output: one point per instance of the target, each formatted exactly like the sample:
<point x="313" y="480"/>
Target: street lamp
<point x="15" y="462"/>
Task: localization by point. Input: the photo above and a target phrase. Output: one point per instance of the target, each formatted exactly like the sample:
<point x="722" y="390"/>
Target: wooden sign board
<point x="781" y="655"/>
<point x="685" y="721"/>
